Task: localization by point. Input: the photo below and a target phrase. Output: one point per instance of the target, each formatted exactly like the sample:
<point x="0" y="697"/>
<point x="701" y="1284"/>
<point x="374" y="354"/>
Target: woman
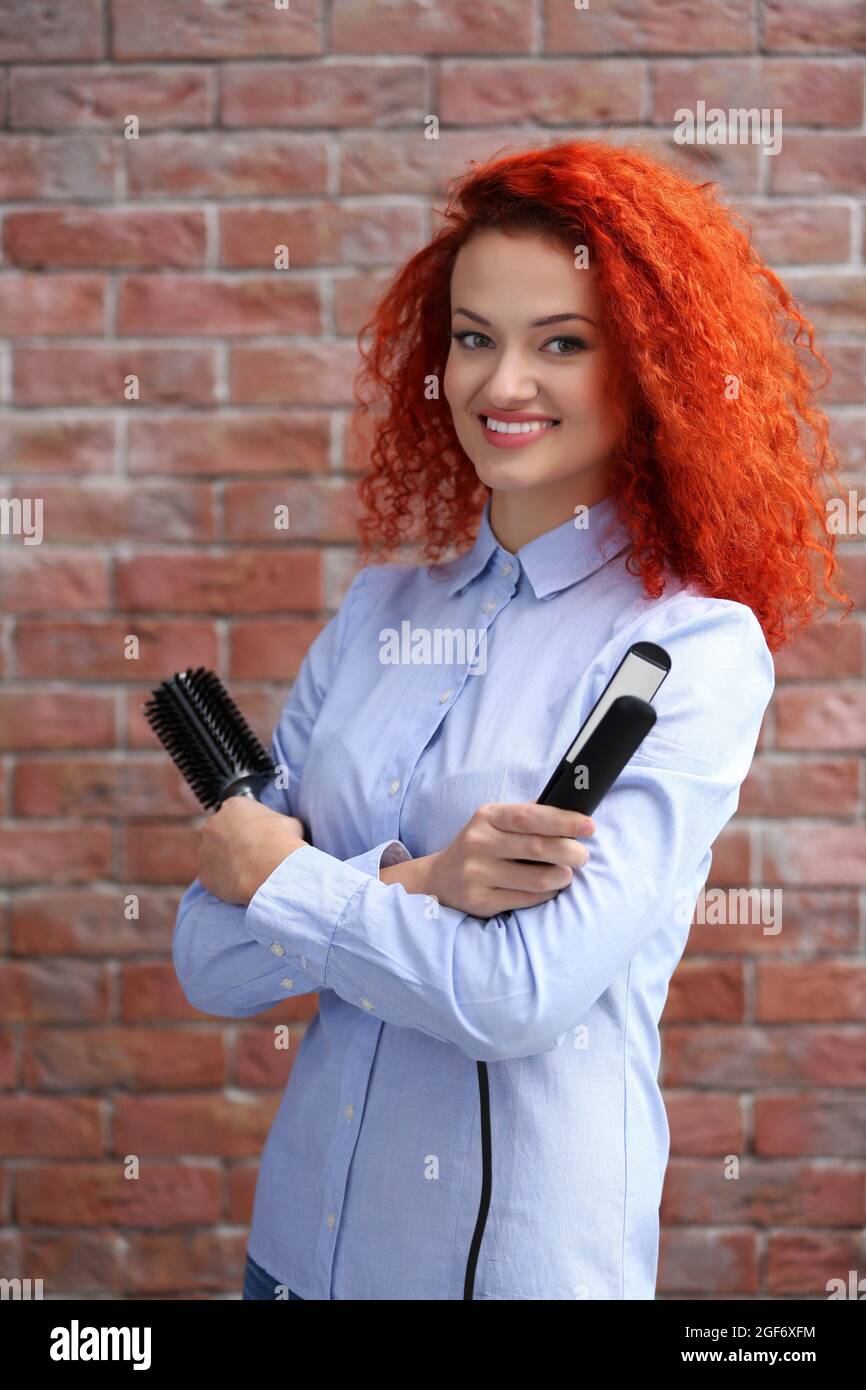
<point x="622" y="436"/>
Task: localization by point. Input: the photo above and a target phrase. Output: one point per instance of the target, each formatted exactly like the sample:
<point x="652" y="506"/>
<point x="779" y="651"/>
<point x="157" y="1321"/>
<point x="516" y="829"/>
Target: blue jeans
<point x="259" y="1284"/>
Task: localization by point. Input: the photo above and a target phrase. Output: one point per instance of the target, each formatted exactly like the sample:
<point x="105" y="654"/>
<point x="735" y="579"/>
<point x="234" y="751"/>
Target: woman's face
<point x="503" y="362"/>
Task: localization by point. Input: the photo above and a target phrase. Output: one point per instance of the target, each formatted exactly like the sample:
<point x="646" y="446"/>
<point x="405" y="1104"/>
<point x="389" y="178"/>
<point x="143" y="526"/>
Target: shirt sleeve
<point x="512" y="986"/>
<point x="221" y="968"/>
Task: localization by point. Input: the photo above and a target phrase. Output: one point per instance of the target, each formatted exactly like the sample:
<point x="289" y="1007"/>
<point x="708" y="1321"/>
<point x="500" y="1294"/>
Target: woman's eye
<point x="468" y="333"/>
<point x="573" y="345"/>
<point x="578" y="345"/>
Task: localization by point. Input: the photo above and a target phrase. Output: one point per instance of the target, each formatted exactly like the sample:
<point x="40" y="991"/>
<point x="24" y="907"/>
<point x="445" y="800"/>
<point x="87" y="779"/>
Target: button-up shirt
<point x="435" y="689"/>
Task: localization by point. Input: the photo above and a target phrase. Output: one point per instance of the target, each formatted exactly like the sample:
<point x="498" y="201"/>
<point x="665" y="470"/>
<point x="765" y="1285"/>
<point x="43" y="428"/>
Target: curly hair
<point x="718" y="473"/>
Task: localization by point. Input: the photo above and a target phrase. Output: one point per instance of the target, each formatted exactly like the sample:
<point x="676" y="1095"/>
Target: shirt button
<point x="277" y="949"/>
<point x="303" y="962"/>
<point x="349" y="1112"/>
<point x="489" y="607"/>
<point x="444" y="696"/>
<point x="394" y="786"/>
<point x="506" y="569"/>
<point x="287" y="984"/>
<point x="331" y="1219"/>
<point x="366" y="1004"/>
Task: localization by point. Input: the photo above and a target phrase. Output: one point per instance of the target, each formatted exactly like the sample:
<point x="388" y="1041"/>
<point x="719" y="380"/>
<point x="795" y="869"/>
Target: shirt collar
<point x="555" y="559"/>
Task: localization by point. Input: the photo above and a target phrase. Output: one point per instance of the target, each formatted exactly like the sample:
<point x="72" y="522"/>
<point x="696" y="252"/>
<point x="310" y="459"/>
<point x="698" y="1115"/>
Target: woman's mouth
<point x="514" y="436"/>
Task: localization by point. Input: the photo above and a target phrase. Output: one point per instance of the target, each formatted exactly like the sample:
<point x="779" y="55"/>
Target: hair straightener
<point x="618" y="723"/>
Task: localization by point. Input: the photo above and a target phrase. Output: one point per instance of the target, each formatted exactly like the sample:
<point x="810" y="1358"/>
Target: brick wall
<point x="153" y="257"/>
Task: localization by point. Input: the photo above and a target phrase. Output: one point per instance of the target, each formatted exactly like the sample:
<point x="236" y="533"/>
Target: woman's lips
<point x="513" y="441"/>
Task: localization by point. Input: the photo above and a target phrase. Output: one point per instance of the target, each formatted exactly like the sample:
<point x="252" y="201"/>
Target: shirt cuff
<point x="382" y="857"/>
<point x="295" y="912"/>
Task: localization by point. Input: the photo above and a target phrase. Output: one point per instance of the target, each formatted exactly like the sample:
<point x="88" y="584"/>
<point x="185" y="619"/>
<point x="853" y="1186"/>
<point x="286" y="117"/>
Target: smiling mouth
<point x="519" y="427"/>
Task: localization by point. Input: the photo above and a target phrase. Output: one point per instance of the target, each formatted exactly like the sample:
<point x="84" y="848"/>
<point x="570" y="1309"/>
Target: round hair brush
<point x="207" y="737"/>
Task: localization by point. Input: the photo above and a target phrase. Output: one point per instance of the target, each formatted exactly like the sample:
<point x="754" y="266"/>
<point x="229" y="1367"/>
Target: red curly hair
<point x="726" y="492"/>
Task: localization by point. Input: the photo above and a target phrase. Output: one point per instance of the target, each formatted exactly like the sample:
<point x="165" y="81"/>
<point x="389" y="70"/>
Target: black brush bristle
<point x="207" y="737"/>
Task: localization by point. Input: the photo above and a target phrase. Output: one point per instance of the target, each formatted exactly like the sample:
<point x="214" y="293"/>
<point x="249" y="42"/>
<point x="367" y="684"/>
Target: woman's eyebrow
<point x="536" y="323"/>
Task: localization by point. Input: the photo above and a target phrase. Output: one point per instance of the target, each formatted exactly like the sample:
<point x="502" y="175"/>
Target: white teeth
<point x="527" y="427"/>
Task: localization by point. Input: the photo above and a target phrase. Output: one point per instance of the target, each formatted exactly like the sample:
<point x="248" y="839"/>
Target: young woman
<point x="595" y="393"/>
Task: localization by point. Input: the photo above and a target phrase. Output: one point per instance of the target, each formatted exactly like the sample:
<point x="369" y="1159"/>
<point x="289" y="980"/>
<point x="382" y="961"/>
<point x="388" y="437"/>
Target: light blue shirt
<point x="370" y="1179"/>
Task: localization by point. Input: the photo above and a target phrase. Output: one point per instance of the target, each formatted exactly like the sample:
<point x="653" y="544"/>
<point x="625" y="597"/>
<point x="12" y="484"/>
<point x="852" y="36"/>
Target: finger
<point x="531" y="818"/>
<point x="505" y="901"/>
<point x="536" y="877"/>
<point x="544" y="849"/>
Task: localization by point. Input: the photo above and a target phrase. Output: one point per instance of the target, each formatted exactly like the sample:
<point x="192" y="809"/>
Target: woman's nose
<point x="511" y="379"/>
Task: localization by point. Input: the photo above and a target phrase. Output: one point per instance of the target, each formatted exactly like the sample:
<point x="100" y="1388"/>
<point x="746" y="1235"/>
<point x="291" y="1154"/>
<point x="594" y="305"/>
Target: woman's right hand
<point x="478" y="873"/>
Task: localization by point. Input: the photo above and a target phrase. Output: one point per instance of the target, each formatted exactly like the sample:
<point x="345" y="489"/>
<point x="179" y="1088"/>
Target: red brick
<point x="89" y="651"/>
<point x="48" y="1127"/>
<point x="707" y="992"/>
<point x="34" y="581"/>
<point x="99" y="1194"/>
<point x="192" y="1124"/>
<point x="803" y="24"/>
<point x="29" y="33"/>
<point x="820" y="716"/>
<point x="45" y="445"/>
<point x="103" y="237"/>
<point x="317" y="94"/>
<point x="133" y="1058"/>
<point x="101" y="99"/>
<point x="241" y="1192"/>
<point x="150" y="993"/>
<point x="788" y="233"/>
<point x="413" y="27"/>
<point x="826" y="920"/>
<point x="822" y="650"/>
<point x="813" y="1264"/>
<point x="241" y="581"/>
<point x="651" y="26"/>
<point x="810" y="91"/>
<point x="549" y="91"/>
<point x="723" y="1264"/>
<point x="203" y="1260"/>
<point x="159" y="853"/>
<point x="92" y="921"/>
<point x="259" y="1063"/>
<point x="51" y="305"/>
<point x="245" y="29"/>
<point x="697" y="1193"/>
<point x="115" y="510"/>
<point x="230" y="306"/>
<point x="53" y="992"/>
<point x="320" y="375"/>
<point x="317" y="511"/>
<point x="50" y="854"/>
<point x="832" y="855"/>
<point x="724" y="1056"/>
<point x="227" y="164"/>
<point x="847" y="385"/>
<point x="828" y="1125"/>
<point x="73" y="1262"/>
<point x="42" y="166"/>
<point x="704" y="1123"/>
<point x="264" y="650"/>
<point x="832" y="990"/>
<point x="318" y="235"/>
<point x="215" y="444"/>
<point x="96" y="375"/>
<point x="95" y="788"/>
<point x="801" y="788"/>
<point x="818" y="162"/>
<point x="56" y="719"/>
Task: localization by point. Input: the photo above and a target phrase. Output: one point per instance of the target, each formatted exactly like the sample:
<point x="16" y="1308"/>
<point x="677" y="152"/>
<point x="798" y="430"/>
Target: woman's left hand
<point x="241" y="845"/>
